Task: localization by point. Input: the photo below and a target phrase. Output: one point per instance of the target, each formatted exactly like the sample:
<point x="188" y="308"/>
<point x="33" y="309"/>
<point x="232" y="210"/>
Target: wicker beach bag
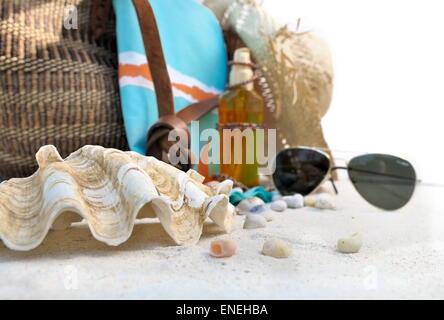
<point x="58" y="81"/>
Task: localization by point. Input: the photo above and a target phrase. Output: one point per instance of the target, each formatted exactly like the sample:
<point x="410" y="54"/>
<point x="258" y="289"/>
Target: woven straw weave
<point x="296" y="68"/>
<point x="57" y="86"/>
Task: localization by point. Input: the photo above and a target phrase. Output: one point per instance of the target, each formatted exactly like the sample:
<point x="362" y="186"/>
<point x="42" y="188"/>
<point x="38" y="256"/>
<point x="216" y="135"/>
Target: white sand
<point x="402" y="257"/>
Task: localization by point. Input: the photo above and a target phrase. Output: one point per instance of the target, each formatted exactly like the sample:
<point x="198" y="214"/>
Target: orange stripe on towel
<point x="131" y="70"/>
<point x="195" y="92"/>
<point x="143" y="70"/>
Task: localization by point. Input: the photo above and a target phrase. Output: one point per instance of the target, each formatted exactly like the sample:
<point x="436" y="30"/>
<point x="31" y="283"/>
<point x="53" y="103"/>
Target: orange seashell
<point x="222" y="248"/>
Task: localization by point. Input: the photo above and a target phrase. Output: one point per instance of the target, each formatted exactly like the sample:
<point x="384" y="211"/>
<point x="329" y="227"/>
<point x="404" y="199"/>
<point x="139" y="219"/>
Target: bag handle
<point x="156" y="59"/>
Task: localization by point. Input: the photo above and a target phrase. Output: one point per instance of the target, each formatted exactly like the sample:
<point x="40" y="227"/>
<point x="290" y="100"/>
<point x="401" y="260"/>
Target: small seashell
<point x="310" y="201"/>
<point x="325" y="201"/>
<point x="279" y="205"/>
<point x="255" y="221"/>
<point x="276" y="197"/>
<point x="295" y="201"/>
<point x="246" y="204"/>
<point x="276" y="248"/>
<point x="222" y="248"/>
<point x="351" y="244"/>
<point x="258" y="209"/>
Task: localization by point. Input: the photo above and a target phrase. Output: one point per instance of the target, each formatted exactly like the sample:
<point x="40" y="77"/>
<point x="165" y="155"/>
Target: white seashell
<point x="110" y="189"/>
<point x="224" y="187"/>
<point x="276" y="248"/>
<point x="64" y="221"/>
<point x="249" y="203"/>
<point x="222" y="213"/>
<point x="212" y="184"/>
<point x="255" y="221"/>
<point x="325" y="201"/>
<point x="351" y="244"/>
<point x="279" y="205"/>
<point x="295" y="201"/>
<point x="193" y="174"/>
<point x="276" y="197"/>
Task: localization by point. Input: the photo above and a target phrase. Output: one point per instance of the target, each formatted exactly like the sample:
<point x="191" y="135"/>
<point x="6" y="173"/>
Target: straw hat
<point x="296" y="69"/>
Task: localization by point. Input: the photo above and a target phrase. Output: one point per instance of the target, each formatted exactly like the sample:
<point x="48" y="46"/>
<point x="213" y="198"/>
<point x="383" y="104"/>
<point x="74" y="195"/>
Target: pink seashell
<point x="222" y="248"/>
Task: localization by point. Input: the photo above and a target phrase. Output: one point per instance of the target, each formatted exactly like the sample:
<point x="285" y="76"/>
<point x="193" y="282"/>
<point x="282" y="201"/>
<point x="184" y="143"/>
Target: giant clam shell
<point x="108" y="188"/>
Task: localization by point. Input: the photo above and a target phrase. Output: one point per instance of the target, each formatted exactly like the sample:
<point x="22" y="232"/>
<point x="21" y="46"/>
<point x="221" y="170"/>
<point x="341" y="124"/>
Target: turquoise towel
<point x="260" y="192"/>
<point x="195" y="53"/>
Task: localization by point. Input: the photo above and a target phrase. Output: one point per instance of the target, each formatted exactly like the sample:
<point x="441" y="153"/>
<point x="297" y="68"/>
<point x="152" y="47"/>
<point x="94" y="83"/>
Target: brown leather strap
<point x="156" y="59"/>
<point x="196" y="110"/>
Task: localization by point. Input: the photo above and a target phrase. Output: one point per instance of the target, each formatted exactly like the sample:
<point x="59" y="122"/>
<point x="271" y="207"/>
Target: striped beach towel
<point x="196" y="57"/>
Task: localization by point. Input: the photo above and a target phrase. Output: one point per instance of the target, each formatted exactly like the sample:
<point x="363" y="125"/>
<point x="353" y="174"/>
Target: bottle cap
<point x="242" y="55"/>
<point x="242" y="73"/>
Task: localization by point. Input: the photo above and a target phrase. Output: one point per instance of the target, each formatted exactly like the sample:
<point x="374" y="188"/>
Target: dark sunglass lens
<point x="385" y="181"/>
<point x="299" y="170"/>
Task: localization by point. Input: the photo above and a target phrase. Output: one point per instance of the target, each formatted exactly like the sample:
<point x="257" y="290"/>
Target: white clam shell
<point x="108" y="188"/>
<point x="255" y="221"/>
<point x="295" y="201"/>
<point x="212" y="184"/>
<point x="351" y="244"/>
<point x="224" y="187"/>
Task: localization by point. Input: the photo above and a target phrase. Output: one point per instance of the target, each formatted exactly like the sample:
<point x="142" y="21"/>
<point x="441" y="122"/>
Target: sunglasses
<point x="385" y="181"/>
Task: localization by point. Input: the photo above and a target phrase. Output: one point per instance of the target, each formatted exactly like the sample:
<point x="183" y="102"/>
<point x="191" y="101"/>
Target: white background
<point x="388" y="58"/>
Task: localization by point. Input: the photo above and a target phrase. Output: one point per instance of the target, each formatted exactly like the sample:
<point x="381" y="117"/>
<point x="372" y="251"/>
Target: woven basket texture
<point x="57" y="86"/>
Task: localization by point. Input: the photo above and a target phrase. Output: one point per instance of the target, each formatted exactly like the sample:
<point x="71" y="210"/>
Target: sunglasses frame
<point x="328" y="175"/>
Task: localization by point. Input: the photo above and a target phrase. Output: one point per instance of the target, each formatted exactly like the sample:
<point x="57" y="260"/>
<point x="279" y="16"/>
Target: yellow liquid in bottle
<point x="240" y="106"/>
